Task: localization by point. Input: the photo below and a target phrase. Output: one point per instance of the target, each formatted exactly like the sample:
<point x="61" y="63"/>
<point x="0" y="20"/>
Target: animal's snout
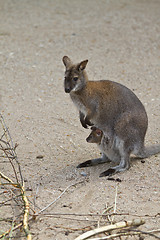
<point x="88" y="139"/>
<point x="67" y="90"/>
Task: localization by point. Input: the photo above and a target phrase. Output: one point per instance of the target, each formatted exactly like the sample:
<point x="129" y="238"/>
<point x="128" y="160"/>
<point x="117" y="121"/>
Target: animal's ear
<point x="67" y="61"/>
<point x="82" y="65"/>
<point x="93" y="128"/>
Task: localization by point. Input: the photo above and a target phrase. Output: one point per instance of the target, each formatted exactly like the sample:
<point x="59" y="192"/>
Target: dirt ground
<point x="121" y="40"/>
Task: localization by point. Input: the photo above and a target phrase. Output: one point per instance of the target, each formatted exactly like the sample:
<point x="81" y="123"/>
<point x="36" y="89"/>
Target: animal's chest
<point x="79" y="104"/>
<point x="109" y="149"/>
<point x="105" y="145"/>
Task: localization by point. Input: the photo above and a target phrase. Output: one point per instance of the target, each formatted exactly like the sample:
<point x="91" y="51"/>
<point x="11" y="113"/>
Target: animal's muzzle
<point x="88" y="139"/>
<point x="67" y="90"/>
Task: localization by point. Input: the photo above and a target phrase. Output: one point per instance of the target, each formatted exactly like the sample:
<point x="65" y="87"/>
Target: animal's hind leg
<point x="128" y="137"/>
<point x="123" y="166"/>
<point x="124" y="162"/>
<point x="94" y="162"/>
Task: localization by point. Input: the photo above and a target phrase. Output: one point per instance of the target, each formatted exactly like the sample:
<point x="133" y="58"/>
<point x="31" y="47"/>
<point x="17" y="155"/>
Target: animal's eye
<point x="99" y="132"/>
<point x="75" y="79"/>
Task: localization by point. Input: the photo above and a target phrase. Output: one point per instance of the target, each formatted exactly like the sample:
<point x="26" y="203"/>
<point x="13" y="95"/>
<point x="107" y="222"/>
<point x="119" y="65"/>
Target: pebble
<point x="142" y="161"/>
<point x="83" y="174"/>
<point x="40" y="156"/>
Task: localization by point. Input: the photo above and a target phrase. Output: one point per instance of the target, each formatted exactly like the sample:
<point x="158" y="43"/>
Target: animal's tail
<point x="149" y="151"/>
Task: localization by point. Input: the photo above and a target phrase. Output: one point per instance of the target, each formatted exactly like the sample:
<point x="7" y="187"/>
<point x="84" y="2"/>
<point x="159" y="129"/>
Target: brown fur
<point x="95" y="136"/>
<point x="111" y="107"/>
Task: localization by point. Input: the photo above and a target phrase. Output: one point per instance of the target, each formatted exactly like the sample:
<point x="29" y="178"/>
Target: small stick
<point x="113" y="236"/>
<point x="148" y="232"/>
<point x="35" y="195"/>
<point x="103" y="214"/>
<point x="115" y="204"/>
<point x="111" y="227"/>
<point x="26" y="205"/>
<point x="10" y="199"/>
<point x="12" y="148"/>
<point x="9" y="180"/>
<point x="13" y="229"/>
<point x="97" y="215"/>
<point x="42" y="210"/>
<point x="26" y="214"/>
<point x="7" y="154"/>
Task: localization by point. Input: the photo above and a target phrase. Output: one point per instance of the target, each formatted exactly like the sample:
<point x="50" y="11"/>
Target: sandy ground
<point x="121" y="40"/>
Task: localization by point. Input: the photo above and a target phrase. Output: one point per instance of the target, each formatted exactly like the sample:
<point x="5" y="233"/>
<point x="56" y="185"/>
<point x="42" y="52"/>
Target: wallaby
<point x="95" y="136"/>
<point x="111" y="107"/>
<point x="106" y="147"/>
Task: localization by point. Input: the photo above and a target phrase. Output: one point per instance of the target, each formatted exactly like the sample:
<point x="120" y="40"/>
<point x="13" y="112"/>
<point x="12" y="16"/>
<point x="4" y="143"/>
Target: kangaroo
<point x="111" y="107"/>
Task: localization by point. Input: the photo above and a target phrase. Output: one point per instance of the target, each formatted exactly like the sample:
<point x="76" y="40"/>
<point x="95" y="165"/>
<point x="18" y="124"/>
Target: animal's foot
<point x="84" y="124"/>
<point x="108" y="172"/>
<point x="93" y="162"/>
<point x="87" y="163"/>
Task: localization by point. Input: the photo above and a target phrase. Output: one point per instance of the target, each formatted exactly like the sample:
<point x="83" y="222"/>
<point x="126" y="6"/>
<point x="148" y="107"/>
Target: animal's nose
<point x="67" y="90"/>
<point x="87" y="139"/>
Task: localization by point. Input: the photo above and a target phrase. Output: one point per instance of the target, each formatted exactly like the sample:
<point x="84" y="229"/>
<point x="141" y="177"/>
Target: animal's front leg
<point x="85" y="121"/>
<point x="82" y="119"/>
<point x="88" y="117"/>
<point x="93" y="162"/>
<point x="88" y="121"/>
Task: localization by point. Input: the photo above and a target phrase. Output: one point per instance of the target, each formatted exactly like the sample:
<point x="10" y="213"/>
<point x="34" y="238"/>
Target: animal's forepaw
<point x="88" y="122"/>
<point x="84" y="125"/>
<point x="109" y="172"/>
<point x="85" y="164"/>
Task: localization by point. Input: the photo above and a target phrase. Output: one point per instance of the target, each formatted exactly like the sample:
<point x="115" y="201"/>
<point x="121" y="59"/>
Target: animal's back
<point x="111" y="101"/>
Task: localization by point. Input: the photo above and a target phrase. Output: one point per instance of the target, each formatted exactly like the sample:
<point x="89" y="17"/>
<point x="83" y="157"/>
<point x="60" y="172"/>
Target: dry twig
<point x="74" y="184"/>
<point x="8" y="152"/>
<point x="111" y="227"/>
